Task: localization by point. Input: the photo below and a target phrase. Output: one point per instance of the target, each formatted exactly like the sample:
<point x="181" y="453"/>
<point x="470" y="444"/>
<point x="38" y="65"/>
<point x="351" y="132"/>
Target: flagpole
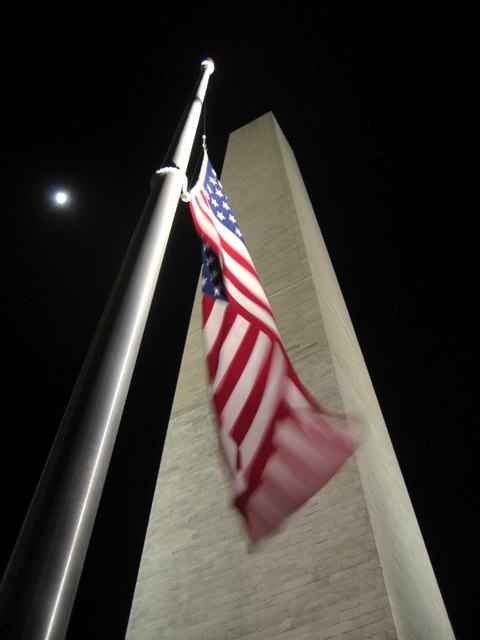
<point x="40" y="584"/>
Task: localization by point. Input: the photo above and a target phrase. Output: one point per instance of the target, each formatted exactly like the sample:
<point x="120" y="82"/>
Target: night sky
<point x="377" y="104"/>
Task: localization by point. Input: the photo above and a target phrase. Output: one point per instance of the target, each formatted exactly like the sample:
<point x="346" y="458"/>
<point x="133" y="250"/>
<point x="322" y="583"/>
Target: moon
<point x="61" y="197"/>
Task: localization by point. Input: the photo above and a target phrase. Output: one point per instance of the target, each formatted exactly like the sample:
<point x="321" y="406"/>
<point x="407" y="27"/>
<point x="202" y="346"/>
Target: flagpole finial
<point x="208" y="65"/>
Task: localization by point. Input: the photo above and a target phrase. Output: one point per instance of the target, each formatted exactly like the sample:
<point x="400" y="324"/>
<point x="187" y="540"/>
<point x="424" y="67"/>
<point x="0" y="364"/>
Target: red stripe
<point x="234" y="254"/>
<point x="255" y="320"/>
<point x="265" y="450"/>
<point x="237" y="282"/>
<point x="237" y="365"/>
<point x="244" y="420"/>
<point x="203" y="222"/>
<point x="207" y="305"/>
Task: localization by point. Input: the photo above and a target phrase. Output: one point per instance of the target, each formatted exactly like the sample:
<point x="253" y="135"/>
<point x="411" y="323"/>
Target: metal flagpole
<point x="39" y="586"/>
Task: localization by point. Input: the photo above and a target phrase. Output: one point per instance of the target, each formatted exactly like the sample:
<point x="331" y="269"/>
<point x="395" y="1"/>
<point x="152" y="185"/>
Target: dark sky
<point x="377" y="104"/>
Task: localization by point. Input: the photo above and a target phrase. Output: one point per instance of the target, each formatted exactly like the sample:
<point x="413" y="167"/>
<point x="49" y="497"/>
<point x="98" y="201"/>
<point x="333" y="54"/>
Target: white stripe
<point x="258" y="312"/>
<point x="203" y="218"/>
<point x="266" y="410"/>
<point x="268" y="405"/>
<point x="246" y="382"/>
<point x="206" y="221"/>
<point x="213" y="324"/>
<point x="248" y="279"/>
<point x="229" y="348"/>
<point x="295" y="397"/>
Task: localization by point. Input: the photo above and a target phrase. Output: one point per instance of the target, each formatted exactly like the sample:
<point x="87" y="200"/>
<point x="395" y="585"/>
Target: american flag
<point x="281" y="446"/>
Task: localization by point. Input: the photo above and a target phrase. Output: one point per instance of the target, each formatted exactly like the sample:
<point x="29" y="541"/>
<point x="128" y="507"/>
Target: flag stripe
<point x="251" y="309"/>
<point x="252" y="394"/>
<point x="229" y="347"/>
<point x="238" y="380"/>
<point x="255" y="445"/>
